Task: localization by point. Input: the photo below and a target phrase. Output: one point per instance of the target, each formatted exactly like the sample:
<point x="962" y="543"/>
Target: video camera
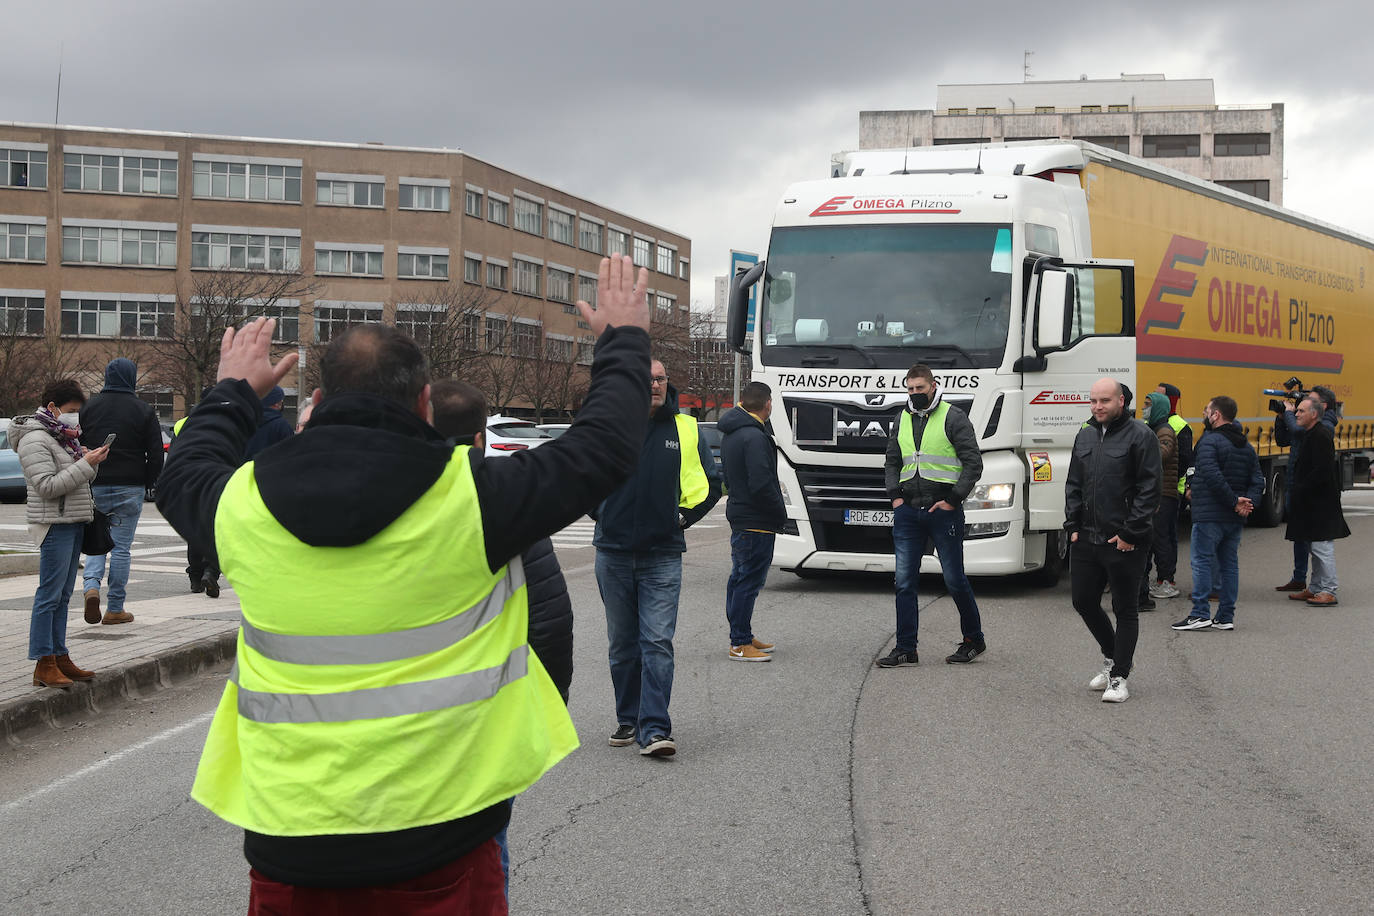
<point x="1292" y="390"/>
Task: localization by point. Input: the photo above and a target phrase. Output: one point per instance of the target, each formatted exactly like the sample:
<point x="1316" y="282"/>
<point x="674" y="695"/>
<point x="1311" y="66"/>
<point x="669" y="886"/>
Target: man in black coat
<point x="755" y="511"/>
<point x="1314" y="509"/>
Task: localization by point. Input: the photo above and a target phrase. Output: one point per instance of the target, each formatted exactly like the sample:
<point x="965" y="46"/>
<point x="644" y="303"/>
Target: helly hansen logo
<point x="673" y="444"/>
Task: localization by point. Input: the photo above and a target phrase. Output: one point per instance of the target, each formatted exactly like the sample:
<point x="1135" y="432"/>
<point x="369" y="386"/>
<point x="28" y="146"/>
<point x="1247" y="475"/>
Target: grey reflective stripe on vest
<point x="381" y="702"/>
<point x="943" y="468"/>
<point x="376" y="648"/>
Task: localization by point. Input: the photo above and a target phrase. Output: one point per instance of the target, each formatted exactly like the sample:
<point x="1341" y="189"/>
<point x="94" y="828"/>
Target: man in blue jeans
<point x="1227" y="483"/>
<point x="755" y="512"/>
<point x="932" y="464"/>
<point x="639" y="546"/>
<point x="132" y="467"/>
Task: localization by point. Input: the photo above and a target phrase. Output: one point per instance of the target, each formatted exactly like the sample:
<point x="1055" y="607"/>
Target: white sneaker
<point x="1116" y="691"/>
<point x="1165" y="589"/>
<point x="1099" y="681"/>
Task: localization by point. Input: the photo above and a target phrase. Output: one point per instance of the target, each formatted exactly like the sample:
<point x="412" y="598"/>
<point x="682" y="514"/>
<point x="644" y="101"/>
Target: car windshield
<point x="519" y="431"/>
<point x="892" y="294"/>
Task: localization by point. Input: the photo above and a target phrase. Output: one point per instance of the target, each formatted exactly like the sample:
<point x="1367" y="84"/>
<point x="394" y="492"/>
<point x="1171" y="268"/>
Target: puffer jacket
<point x="59" y="485"/>
<point x="1225" y="469"/>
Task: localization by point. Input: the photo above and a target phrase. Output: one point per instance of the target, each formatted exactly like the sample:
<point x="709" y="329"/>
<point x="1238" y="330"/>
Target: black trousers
<point x="1093" y="567"/>
<point x="198" y="567"/>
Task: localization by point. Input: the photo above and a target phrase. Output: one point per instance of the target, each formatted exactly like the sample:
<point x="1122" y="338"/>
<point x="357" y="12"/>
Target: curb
<point x="20" y="563"/>
<point x="131" y="680"/>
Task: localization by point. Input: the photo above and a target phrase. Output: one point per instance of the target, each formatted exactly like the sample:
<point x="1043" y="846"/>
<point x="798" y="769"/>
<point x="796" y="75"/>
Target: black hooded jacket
<point x="136" y="454"/>
<point x="750" y="459"/>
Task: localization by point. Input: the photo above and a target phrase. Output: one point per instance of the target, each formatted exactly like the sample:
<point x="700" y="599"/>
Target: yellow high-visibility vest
<point x="936" y="460"/>
<point x="693" y="486"/>
<point x="1178" y="424"/>
<point x="379" y="686"/>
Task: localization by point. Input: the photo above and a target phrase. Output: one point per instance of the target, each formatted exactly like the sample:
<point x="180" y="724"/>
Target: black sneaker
<point x="968" y="650"/>
<point x="623" y="736"/>
<point x="659" y="746"/>
<point x="1146" y="605"/>
<point x="197" y="584"/>
<point x="898" y="657"/>
<point x="1192" y="623"/>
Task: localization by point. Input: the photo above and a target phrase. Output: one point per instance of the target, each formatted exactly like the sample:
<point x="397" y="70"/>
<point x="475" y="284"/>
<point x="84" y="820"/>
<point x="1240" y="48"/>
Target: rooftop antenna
<point x="57" y="108"/>
<point x="1025" y="66"/>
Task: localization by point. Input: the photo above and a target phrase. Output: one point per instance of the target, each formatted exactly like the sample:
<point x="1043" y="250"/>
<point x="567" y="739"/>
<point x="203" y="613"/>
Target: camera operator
<point x="1288" y="432"/>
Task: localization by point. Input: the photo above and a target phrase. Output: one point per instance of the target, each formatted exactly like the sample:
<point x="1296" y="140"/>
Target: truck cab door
<point x="1080" y="327"/>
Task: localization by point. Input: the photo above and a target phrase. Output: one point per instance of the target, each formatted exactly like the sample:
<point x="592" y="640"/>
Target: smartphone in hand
<point x="108" y="439"/>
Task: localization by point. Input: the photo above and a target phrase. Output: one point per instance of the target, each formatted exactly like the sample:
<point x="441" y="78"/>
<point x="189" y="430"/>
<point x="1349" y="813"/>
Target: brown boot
<point x="70" y="669"/>
<point x="48" y="675"/>
<point x="92" y="605"/>
<point x="113" y="617"/>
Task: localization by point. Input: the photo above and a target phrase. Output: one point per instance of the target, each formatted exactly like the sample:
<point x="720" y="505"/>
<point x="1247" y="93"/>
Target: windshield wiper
<point x="832" y="360"/>
<point x="946" y="346"/>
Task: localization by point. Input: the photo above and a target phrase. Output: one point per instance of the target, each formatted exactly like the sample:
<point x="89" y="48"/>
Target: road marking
<point x="104" y="762"/>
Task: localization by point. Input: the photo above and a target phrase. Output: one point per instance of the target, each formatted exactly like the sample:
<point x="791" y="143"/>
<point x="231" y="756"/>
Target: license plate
<point x="873" y="517"/>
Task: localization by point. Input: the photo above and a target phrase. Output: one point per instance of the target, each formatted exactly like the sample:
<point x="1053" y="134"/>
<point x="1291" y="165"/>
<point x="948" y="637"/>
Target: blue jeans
<point x="751" y="552"/>
<point x="123" y="504"/>
<point x="910" y="529"/>
<point x="57" y="559"/>
<point x="640" y="592"/>
<point x="1216" y="566"/>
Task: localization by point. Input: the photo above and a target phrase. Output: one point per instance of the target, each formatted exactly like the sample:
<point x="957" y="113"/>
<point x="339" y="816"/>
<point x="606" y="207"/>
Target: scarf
<point x="69" y="437"/>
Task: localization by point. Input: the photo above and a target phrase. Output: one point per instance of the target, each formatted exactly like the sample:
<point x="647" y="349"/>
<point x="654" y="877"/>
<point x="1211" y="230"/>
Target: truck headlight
<point x="991" y="496"/>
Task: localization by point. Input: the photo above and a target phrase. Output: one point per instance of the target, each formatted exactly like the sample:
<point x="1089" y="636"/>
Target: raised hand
<point x="621" y="298"/>
<point x="247" y="354"/>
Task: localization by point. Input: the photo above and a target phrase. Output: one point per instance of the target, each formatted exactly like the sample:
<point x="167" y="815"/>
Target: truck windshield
<point x="887" y="295"/>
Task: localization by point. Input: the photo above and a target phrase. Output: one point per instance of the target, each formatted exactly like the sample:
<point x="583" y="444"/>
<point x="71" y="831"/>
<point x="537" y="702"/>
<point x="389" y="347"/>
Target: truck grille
<point x="829" y="491"/>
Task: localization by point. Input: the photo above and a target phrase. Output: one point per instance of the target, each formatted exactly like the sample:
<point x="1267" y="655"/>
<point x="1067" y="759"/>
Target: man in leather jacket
<point x="1110" y="498"/>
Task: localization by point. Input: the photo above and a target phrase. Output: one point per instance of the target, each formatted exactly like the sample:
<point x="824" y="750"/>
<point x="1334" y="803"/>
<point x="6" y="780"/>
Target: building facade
<point x="1177" y="122"/>
<point x="116" y="241"/>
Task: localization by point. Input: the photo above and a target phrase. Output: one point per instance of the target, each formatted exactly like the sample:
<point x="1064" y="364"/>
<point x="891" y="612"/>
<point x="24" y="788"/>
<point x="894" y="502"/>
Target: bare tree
<point x="670" y="339"/>
<point x="185" y="351"/>
<point x="552" y="381"/>
<point x="711" y="375"/>
<point x="28" y="362"/>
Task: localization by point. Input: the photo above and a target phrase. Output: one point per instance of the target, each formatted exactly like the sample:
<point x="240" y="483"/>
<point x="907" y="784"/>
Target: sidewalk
<point x="170" y="639"/>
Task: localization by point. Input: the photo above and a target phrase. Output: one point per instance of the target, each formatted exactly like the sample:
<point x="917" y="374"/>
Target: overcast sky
<point x="691" y="116"/>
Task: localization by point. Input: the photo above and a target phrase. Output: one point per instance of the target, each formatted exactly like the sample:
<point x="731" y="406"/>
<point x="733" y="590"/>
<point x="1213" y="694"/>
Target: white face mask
<point x="69" y="419"/>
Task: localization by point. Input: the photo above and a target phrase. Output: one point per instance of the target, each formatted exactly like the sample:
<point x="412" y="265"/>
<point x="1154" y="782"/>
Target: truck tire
<point x="1056" y="559"/>
<point x="1270" y="510"/>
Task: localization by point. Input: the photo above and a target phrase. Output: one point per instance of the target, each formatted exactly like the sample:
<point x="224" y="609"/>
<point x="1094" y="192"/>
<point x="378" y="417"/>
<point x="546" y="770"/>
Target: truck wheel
<point x="1270" y="510"/>
<point x="1056" y="559"/>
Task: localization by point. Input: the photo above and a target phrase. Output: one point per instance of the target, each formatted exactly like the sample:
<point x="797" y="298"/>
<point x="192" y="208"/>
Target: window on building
<point x="422" y="197"/>
<point x="469" y="330"/>
<point x="1044" y="109"/>
<point x="956" y="111"/>
<point x="160" y="399"/>
<point x="1090" y="109"/>
<point x="244" y="251"/>
<point x="97" y="315"/>
<point x="586" y="349"/>
<point x="526" y="278"/>
<point x="526" y="339"/>
<point x="347" y="262"/>
<point x="498" y="333"/>
<point x="1241" y="145"/>
<point x="23" y="168"/>
<point x="1254" y="187"/>
<point x="561" y="226"/>
<point x="683" y="269"/>
<point x="666" y="257"/>
<point x="643" y="257"/>
<point x="498" y="211"/>
<point x="1165" y="146"/>
<point x="529" y="216"/>
<point x="288" y="316"/>
<point x="950" y="141"/>
<point x="985" y="111"/>
<point x="472" y="270"/>
<point x="617" y="242"/>
<point x="472" y="203"/>
<point x="663" y="306"/>
<point x="498" y="275"/>
<point x="337" y="193"/>
<point x="558" y="349"/>
<point x="333" y="318"/>
<point x="559" y="285"/>
<point x="420" y="320"/>
<point x="226" y="180"/>
<point x="589" y="235"/>
<point x="128" y="247"/>
<point x="119" y="174"/>
<point x="1118" y="108"/>
<point x="422" y="266"/>
<point x="1118" y="143"/>
<point x="23" y="242"/>
<point x="22" y="315"/>
<point x="586" y="290"/>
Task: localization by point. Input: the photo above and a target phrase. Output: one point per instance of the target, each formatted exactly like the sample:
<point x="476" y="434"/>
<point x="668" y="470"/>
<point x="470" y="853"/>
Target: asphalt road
<point x="1235" y="780"/>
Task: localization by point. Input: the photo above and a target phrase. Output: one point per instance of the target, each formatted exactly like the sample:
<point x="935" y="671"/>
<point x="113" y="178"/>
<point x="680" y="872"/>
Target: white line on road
<point x="104" y="762"/>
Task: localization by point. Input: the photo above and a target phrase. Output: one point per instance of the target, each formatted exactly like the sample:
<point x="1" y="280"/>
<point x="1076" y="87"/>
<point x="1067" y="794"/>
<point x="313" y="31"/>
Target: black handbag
<point x="96" y="538"/>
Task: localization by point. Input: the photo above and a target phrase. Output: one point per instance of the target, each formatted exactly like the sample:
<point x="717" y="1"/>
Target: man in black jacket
<point x="639" y="547"/>
<point x="349" y="479"/>
<point x="755" y="512"/>
<point x="1314" y="512"/>
<point x="134" y="463"/>
<point x="1110" y="497"/>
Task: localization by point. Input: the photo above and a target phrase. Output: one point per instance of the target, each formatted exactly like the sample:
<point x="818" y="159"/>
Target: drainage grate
<point x="99" y="634"/>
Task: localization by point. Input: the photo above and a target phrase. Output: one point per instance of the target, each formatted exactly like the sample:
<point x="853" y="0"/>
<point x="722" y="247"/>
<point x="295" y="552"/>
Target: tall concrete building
<point x="106" y="234"/>
<point x="1177" y="122"/>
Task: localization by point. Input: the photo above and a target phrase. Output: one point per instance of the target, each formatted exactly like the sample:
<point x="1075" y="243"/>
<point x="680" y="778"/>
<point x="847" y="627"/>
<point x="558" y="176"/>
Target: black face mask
<point x="919" y="401"/>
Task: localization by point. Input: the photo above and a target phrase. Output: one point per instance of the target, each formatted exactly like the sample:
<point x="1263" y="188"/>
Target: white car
<point x="555" y="429"/>
<point x="511" y="434"/>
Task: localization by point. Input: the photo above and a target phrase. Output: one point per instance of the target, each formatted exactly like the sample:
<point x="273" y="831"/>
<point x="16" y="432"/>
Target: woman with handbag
<point x="58" y="471"/>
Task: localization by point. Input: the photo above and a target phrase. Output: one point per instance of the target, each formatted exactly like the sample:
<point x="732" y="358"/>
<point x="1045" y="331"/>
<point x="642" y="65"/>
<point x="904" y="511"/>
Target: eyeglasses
<point x="659" y="380"/>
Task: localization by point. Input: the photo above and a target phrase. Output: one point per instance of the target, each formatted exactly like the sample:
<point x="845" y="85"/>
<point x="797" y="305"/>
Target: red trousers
<point x="471" y="886"/>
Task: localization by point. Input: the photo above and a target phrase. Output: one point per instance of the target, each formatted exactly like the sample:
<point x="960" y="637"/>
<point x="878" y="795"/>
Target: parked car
<point x="511" y="434"/>
<point x="712" y="436"/>
<point x="12" y="486"/>
<point x="555" y="429"/>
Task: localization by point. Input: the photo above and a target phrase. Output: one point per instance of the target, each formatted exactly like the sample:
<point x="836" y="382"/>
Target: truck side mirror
<point x="736" y="323"/>
<point x="1052" y="309"/>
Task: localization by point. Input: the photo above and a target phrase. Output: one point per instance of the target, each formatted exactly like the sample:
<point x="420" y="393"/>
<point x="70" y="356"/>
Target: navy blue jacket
<point x="642" y="515"/>
<point x="750" y="459"/>
<point x="272" y="428"/>
<point x="1225" y="469"/>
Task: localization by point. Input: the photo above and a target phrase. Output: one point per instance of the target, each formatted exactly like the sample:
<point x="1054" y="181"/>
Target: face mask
<point x="69" y="419"/>
<point x="919" y="401"/>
